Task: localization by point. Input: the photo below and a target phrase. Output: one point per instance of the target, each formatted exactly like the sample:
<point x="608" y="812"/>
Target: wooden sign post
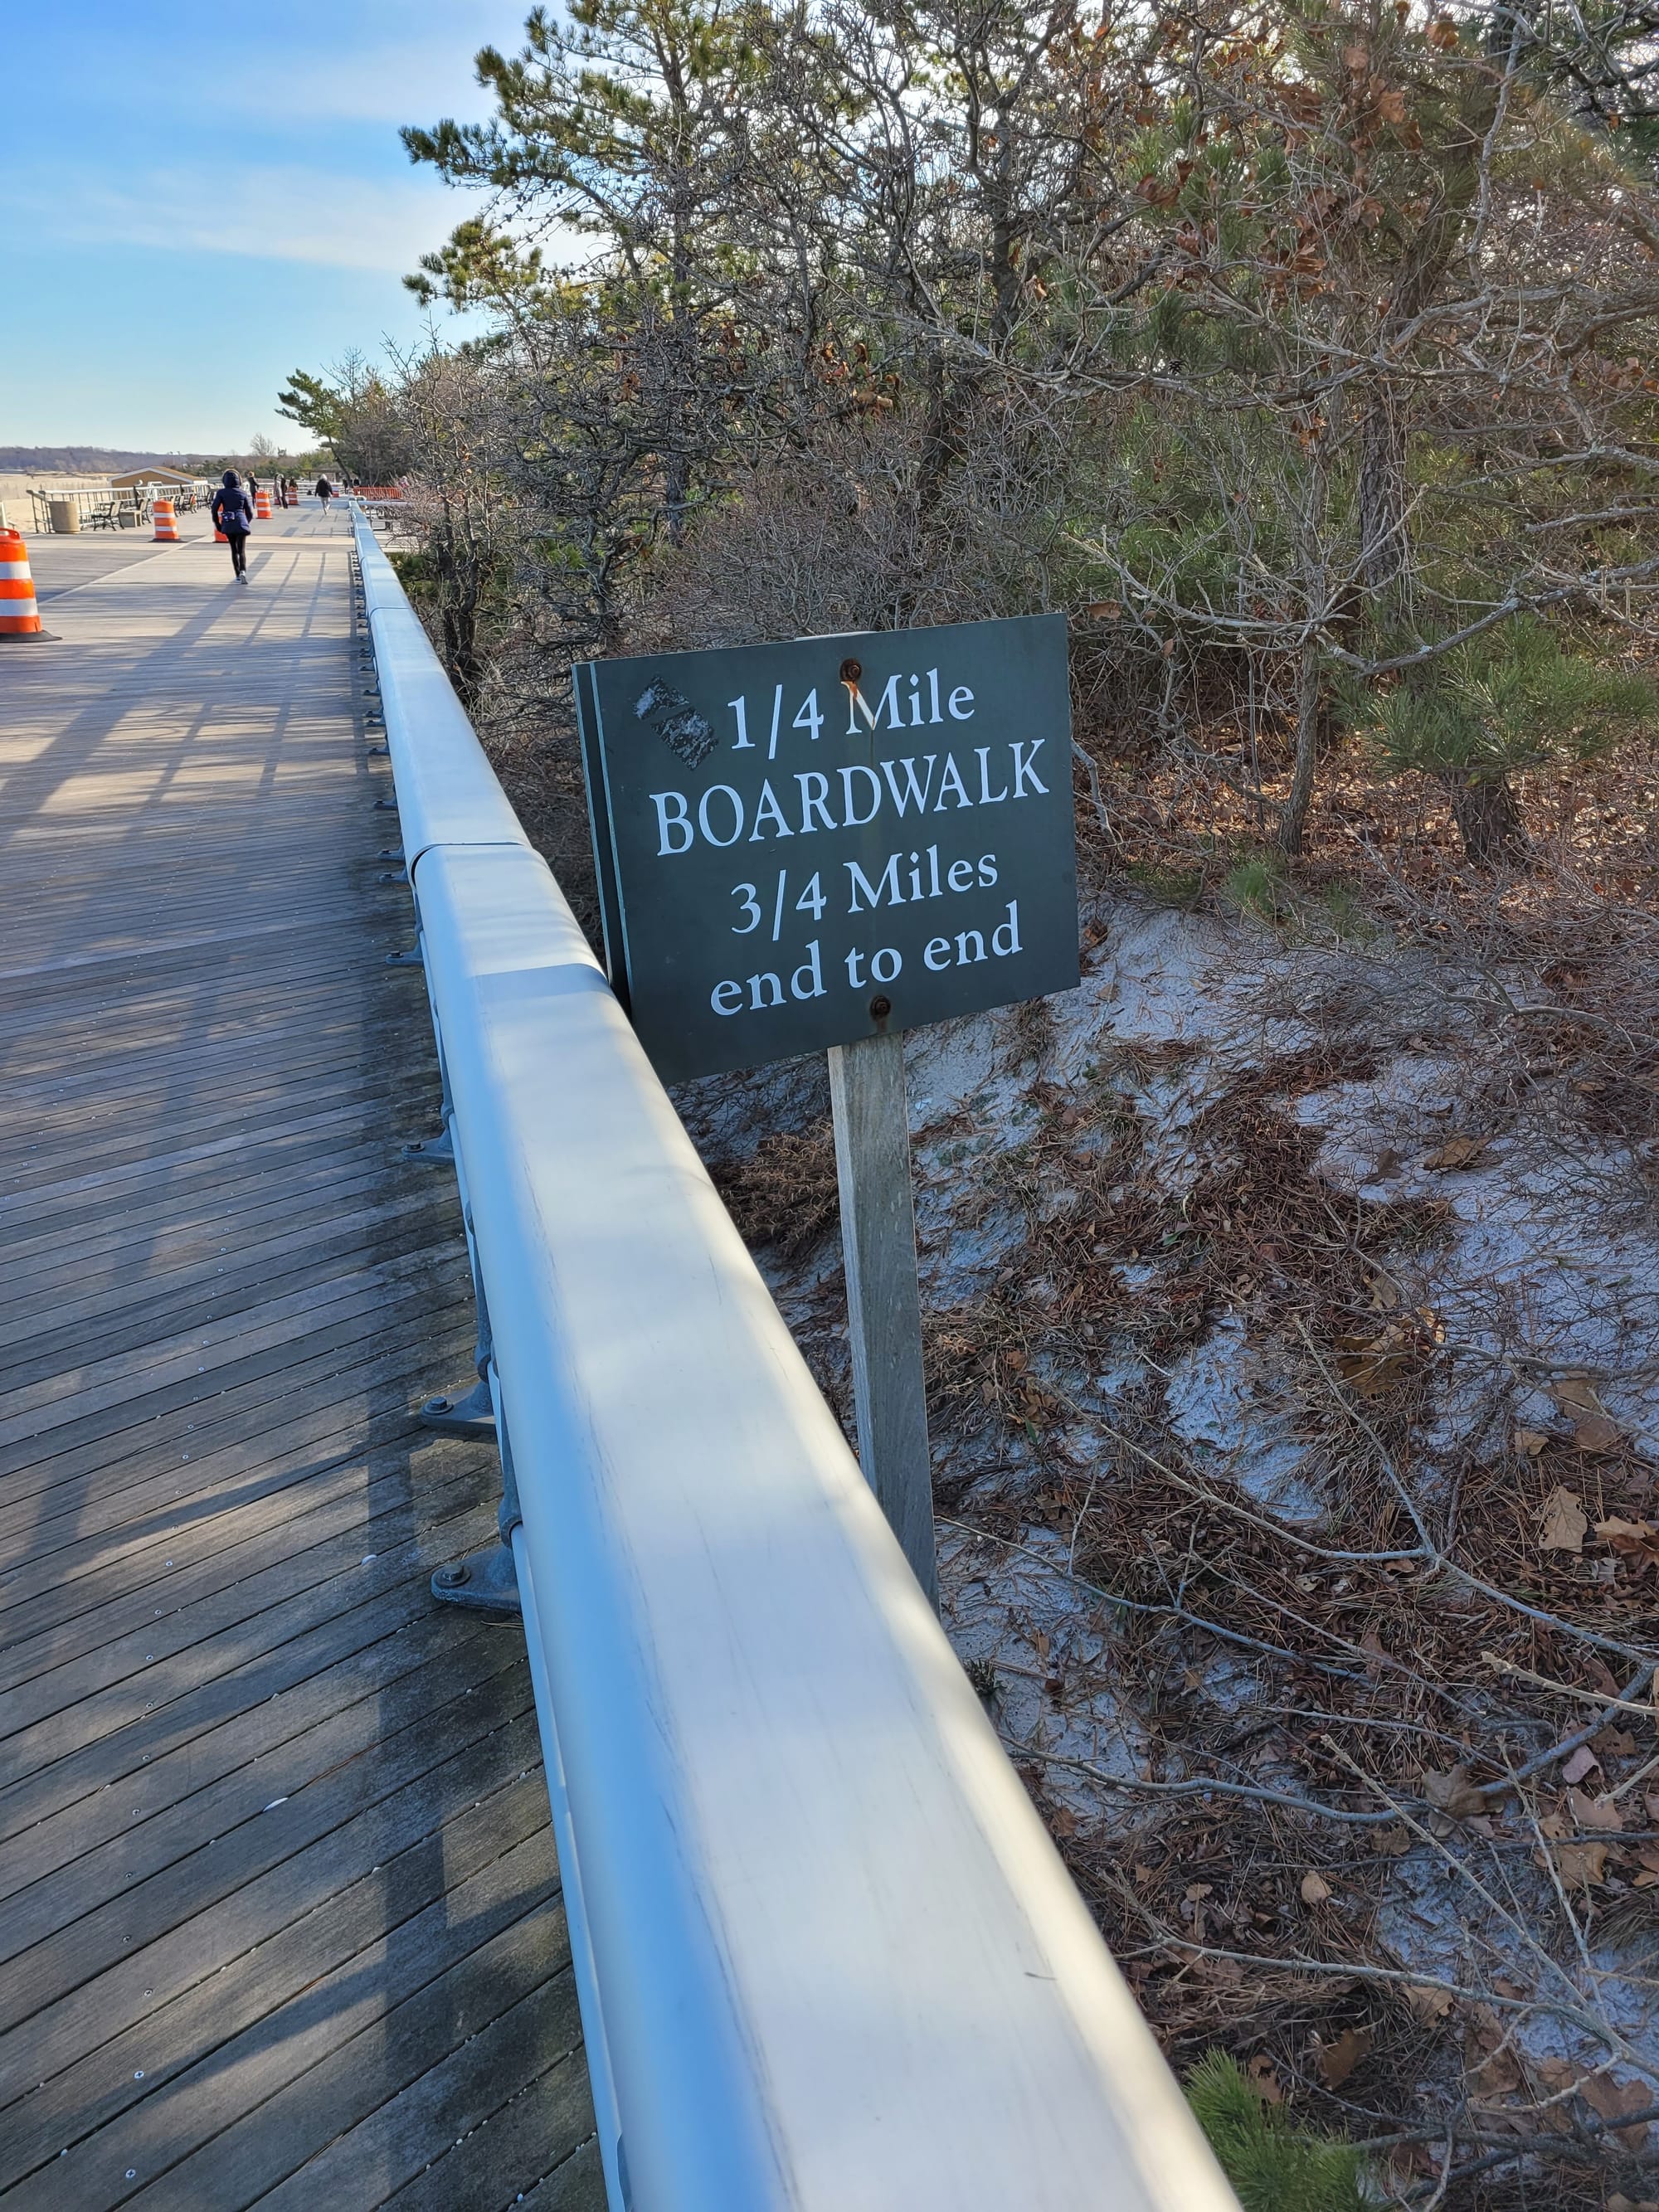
<point x="884" y="1300"/>
<point x="817" y="846"/>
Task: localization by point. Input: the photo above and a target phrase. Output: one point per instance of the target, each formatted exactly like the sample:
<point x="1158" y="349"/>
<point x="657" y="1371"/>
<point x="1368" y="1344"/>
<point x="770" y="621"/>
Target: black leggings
<point x="238" y="550"/>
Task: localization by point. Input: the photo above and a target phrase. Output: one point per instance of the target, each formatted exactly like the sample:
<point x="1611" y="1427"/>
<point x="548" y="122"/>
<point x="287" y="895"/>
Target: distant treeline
<point x="84" y="460"/>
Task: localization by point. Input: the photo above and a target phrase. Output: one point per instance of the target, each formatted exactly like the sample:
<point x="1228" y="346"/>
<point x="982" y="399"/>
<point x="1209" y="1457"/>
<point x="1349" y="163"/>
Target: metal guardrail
<point x="827" y="1956"/>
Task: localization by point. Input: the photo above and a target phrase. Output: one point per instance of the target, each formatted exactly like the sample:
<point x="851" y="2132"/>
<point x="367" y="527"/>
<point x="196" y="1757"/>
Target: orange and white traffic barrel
<point x="20" y="615"/>
<point x="219" y="537"/>
<point x="262" y="505"/>
<point x="167" y="523"/>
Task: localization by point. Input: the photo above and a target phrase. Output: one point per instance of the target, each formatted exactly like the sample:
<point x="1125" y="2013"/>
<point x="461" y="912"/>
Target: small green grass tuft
<point x="1273" y="2166"/>
<point x="1169" y="886"/>
<point x="1255" y="886"/>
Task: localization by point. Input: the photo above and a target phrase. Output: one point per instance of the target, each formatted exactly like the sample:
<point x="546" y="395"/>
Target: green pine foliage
<point x="1516" y="699"/>
<point x="1273" y="2166"/>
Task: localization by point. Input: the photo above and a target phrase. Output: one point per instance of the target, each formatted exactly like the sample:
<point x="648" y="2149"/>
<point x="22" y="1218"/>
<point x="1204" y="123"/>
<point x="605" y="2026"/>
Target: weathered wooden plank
<point x="369" y="1511"/>
<point x="331" y="1410"/>
<point x="493" y="2110"/>
<point x="232" y="1936"/>
<point x="428" y="1841"/>
<point x="389" y="2047"/>
<point x="337" y="1642"/>
<point x="182" y="1426"/>
<point x="134" y="1800"/>
<point x="493" y="1690"/>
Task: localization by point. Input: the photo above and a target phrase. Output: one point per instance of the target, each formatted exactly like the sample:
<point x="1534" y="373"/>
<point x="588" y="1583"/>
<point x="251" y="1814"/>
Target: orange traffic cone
<point x="262" y="505"/>
<point x="20" y="615"/>
<point x="167" y="523"/>
<point x="219" y="537"/>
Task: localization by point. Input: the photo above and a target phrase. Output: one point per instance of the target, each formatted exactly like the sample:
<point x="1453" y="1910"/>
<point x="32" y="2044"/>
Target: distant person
<point x="233" y="512"/>
<point x="325" y="492"/>
<point x="253" y="487"/>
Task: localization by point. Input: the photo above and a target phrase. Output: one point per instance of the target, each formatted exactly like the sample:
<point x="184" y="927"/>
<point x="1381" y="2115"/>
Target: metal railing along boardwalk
<point x="828" y="1956"/>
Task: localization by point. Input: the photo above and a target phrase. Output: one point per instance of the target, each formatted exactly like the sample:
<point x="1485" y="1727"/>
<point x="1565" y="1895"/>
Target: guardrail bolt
<point x="453" y="1577"/>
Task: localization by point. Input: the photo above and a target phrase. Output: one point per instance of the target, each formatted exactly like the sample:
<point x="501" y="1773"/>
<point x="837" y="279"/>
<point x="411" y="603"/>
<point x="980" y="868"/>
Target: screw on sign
<point x="820" y="845"/>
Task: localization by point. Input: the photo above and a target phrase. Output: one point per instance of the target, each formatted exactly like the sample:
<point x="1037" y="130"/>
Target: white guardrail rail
<point x="828" y="1958"/>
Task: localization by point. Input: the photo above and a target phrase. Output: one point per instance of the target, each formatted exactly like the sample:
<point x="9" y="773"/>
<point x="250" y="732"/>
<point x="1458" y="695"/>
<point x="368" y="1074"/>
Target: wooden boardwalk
<point x="279" y="1911"/>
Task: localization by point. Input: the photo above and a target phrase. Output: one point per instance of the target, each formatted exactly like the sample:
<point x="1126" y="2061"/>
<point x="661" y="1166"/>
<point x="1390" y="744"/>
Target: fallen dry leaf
<point x="1583" y="1761"/>
<point x="1582" y="1864"/>
<point x="1577" y="1390"/>
<point x="1258" y="2073"/>
<point x="1315" y="1889"/>
<point x="1453" y="1794"/>
<point x="1430" y="2005"/>
<point x="1595" y="1433"/>
<point x="1608" y="2099"/>
<point x="1337" y="2060"/>
<point x="1565" y="1523"/>
<point x="1495" y="2077"/>
<point x="1457" y="1153"/>
<point x="1636" y="1542"/>
<point x="1594" y="1813"/>
<point x="1530" y="1442"/>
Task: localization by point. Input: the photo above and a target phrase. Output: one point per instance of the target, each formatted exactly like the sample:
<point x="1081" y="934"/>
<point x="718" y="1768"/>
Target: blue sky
<point x="204" y="196"/>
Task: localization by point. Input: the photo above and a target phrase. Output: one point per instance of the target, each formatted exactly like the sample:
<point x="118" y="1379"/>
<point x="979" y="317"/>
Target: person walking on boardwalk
<point x="233" y="512"/>
<point x="325" y="492"/>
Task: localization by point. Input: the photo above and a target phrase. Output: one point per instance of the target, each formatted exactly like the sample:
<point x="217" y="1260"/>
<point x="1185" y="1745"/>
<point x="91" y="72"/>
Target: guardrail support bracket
<point x="432" y="1151"/>
<point x="471" y="1415"/>
<point x="410" y="959"/>
<point x="483" y="1582"/>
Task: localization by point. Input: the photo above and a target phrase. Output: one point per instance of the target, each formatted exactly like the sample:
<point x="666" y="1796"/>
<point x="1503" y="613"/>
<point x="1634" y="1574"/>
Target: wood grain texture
<point x="884" y="1301"/>
<point x="280" y="1919"/>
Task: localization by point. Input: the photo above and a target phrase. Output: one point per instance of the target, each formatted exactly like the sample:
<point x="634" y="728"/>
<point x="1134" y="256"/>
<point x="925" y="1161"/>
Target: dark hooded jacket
<point x="232" y="507"/>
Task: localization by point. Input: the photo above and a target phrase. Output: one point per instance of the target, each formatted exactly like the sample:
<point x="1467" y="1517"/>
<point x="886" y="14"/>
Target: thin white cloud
<point x="276" y="213"/>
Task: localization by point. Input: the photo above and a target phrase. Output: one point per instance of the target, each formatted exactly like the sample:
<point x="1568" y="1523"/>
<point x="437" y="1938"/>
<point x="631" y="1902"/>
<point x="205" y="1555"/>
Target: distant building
<point x="156" y="473"/>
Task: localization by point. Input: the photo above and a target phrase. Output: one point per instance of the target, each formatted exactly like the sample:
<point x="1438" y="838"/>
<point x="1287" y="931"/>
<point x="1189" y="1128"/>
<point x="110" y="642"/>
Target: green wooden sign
<point x="804" y="844"/>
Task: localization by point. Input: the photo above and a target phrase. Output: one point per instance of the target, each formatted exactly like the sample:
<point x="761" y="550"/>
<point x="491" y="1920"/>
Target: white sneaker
<point x="242" y="576"/>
